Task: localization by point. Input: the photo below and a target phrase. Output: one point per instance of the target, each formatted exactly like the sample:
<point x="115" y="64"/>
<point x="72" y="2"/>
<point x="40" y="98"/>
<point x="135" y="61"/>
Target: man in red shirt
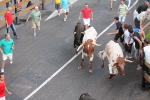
<point x="86" y="15"/>
<point x="3" y="87"/>
<point x="9" y="22"/>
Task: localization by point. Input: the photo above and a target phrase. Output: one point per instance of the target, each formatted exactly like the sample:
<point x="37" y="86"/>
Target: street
<point x="36" y="59"/>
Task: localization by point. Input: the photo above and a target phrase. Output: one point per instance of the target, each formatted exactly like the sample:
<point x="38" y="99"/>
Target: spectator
<point x="119" y="31"/>
<point x="57" y="5"/>
<point x="36" y="18"/>
<point x="3" y="87"/>
<point x="19" y="7"/>
<point x="8" y="3"/>
<point x="142" y="17"/>
<point x="7" y="45"/>
<point x="141" y="8"/>
<point x="29" y="4"/>
<point x="9" y="22"/>
<point x="128" y="42"/>
<point x="86" y="15"/>
<point x="147" y="50"/>
<point x="122" y="11"/>
<point x="138" y="46"/>
<point x="65" y="7"/>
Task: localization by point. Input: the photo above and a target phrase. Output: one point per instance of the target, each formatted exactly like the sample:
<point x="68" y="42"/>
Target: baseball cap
<point x="148" y="1"/>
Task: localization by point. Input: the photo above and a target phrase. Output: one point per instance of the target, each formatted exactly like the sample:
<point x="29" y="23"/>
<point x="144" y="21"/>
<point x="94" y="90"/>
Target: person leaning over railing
<point x="147" y="50"/>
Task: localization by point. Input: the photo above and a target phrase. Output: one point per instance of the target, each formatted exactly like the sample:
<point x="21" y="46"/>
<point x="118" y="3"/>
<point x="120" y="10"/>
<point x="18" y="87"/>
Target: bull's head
<point x="120" y="63"/>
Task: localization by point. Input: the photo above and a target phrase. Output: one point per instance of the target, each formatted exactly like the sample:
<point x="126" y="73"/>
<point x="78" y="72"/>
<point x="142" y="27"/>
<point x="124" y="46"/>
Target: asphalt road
<point x="37" y="58"/>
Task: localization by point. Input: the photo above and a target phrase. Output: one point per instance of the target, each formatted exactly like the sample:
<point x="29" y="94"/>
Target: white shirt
<point x="147" y="53"/>
<point x="126" y="37"/>
<point x="143" y="16"/>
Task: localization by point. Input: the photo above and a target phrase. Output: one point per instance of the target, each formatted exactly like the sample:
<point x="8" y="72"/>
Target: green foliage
<point x="148" y="35"/>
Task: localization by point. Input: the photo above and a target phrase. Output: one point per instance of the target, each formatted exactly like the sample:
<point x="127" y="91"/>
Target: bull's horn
<point x="128" y="61"/>
<point x="97" y="44"/>
<point x="79" y="47"/>
<point x="75" y="32"/>
<point x="82" y="32"/>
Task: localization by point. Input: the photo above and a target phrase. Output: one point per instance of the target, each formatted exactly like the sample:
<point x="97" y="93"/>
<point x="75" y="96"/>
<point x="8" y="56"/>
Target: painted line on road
<point x="59" y="70"/>
<point x="54" y="14"/>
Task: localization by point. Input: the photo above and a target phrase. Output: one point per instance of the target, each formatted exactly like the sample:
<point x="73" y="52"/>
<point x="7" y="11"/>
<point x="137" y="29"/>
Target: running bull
<point x="114" y="54"/>
<point x="79" y="33"/>
<point x="88" y="44"/>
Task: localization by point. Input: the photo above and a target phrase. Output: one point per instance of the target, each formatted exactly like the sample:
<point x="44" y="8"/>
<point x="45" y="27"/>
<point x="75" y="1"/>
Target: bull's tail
<point x="100" y="54"/>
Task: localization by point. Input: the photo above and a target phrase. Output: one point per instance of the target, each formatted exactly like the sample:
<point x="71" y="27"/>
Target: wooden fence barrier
<point x="23" y="11"/>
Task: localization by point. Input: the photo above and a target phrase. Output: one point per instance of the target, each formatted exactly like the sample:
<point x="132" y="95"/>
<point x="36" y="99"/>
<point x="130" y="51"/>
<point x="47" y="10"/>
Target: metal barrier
<point x="23" y="11"/>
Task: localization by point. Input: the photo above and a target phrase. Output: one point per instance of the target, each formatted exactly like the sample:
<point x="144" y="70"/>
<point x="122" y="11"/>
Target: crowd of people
<point x="127" y="34"/>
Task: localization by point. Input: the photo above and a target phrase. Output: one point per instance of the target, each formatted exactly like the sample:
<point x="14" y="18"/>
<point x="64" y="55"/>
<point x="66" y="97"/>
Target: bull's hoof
<point x="76" y="52"/>
<point x="111" y="75"/>
<point x="79" y="67"/>
<point x="90" y="70"/>
<point x="102" y="66"/>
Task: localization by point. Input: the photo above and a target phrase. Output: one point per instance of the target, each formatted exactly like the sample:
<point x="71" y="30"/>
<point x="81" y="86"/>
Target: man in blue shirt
<point x="119" y="31"/>
<point x="65" y="7"/>
<point x="7" y="46"/>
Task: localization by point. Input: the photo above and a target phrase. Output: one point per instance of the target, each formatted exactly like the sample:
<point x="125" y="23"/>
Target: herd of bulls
<point x="86" y="37"/>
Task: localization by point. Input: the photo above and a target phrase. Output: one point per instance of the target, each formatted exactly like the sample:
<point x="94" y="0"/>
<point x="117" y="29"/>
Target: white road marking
<point x="54" y="14"/>
<point x="59" y="70"/>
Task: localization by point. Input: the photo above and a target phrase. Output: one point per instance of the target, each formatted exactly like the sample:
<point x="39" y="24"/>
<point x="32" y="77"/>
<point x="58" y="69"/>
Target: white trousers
<point x="3" y="98"/>
<point x="135" y="14"/>
<point x="86" y="21"/>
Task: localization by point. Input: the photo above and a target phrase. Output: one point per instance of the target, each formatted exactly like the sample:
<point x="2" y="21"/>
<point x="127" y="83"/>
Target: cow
<point x="88" y="43"/>
<point x="115" y="57"/>
<point x="78" y="34"/>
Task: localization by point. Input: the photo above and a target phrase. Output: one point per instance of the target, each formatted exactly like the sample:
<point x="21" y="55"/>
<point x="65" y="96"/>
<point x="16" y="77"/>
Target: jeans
<point x="13" y="29"/>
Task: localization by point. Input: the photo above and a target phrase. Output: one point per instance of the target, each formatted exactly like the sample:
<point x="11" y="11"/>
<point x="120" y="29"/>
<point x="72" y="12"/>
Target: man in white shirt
<point x="147" y="50"/>
<point x="128" y="42"/>
<point x="141" y="18"/>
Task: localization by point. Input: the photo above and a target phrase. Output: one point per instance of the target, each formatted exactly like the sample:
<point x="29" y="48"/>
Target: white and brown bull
<point x="115" y="56"/>
<point x="88" y="43"/>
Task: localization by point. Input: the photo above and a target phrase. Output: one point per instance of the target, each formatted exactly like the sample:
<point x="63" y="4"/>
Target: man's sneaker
<point x="130" y="55"/>
<point x="11" y="62"/>
<point x="34" y="34"/>
<point x="64" y="19"/>
<point x="139" y="67"/>
<point x="2" y="70"/>
<point x="16" y="37"/>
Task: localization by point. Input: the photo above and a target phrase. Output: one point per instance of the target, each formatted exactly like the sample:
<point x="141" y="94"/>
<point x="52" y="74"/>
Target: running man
<point x="57" y="5"/>
<point x="65" y="7"/>
<point x="3" y="87"/>
<point x="36" y="18"/>
<point x="86" y="15"/>
<point x="111" y="1"/>
<point x="7" y="46"/>
<point x="122" y="11"/>
<point x="9" y="22"/>
<point x="119" y="31"/>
